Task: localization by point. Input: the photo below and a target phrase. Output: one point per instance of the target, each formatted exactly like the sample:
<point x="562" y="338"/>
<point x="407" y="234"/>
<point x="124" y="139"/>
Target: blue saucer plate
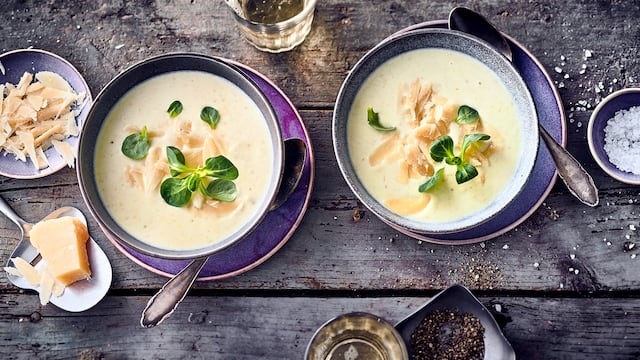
<point x="13" y="65"/>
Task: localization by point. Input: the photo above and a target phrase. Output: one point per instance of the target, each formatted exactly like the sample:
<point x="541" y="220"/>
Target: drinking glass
<point x="273" y="37"/>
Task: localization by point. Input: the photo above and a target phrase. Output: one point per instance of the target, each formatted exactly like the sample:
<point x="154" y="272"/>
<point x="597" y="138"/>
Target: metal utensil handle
<point x="575" y="177"/>
<point x="163" y="303"/>
<point x="11" y="214"/>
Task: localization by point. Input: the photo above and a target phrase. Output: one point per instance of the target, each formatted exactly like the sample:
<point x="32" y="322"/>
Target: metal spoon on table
<point x="78" y="296"/>
<point x="575" y="177"/>
<point x="167" y="299"/>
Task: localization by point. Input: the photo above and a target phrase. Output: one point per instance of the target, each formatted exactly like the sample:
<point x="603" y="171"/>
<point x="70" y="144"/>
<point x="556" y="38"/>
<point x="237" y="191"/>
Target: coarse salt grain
<point x="622" y="140"/>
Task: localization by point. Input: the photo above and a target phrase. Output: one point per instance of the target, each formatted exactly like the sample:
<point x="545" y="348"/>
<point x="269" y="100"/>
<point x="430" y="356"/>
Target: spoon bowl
<point x="471" y="22"/>
<point x="79" y="296"/>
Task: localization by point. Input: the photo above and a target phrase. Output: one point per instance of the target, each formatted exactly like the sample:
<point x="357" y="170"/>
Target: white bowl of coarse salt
<point x="614" y="135"/>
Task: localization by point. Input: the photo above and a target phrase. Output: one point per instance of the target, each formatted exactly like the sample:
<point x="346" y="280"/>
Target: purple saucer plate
<point x="277" y="226"/>
<point x="543" y="176"/>
<point x="13" y="65"/>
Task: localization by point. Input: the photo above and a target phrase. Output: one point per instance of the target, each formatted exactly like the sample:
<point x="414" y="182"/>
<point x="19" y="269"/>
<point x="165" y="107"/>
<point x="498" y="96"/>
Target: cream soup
<point x="419" y="93"/>
<point x="130" y="188"/>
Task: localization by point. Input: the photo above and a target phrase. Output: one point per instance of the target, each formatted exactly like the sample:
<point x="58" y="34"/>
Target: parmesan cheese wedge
<point x="62" y="242"/>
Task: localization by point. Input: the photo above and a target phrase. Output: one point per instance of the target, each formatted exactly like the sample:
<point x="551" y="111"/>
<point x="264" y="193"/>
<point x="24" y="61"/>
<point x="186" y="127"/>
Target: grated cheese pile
<point x="622" y="140"/>
<point x="35" y="115"/>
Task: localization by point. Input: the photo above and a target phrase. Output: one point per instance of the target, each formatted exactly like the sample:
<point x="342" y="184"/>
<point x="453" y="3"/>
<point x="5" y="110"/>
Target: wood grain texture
<point x="280" y="328"/>
<point x="330" y="251"/>
<point x="567" y="288"/>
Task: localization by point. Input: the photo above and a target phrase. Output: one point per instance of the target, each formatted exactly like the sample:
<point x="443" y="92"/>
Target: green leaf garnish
<point x="175" y="192"/>
<point x="467" y="115"/>
<point x="136" y="146"/>
<point x="432" y="181"/>
<point x="174" y="109"/>
<point x="177" y="164"/>
<point x="470" y="139"/>
<point x="374" y="121"/>
<point x="221" y="189"/>
<point x="210" y="116"/>
<point x="465" y="172"/>
<point x="185" y="180"/>
<point x="220" y="167"/>
<point x="442" y="149"/>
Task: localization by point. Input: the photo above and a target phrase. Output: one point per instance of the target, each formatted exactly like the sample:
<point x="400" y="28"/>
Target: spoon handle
<point x="578" y="181"/>
<point x="166" y="300"/>
<point x="11" y="214"/>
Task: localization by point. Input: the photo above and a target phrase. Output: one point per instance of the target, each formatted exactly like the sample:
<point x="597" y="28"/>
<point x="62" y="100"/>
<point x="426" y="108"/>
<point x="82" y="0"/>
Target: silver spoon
<point x="575" y="177"/>
<point x="78" y="296"/>
<point x="167" y="299"/>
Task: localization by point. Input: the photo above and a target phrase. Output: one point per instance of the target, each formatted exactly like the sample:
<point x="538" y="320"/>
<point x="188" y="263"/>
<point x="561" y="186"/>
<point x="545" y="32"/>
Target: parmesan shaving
<point x="428" y="116"/>
<point x="408" y="206"/>
<point x="67" y="151"/>
<point x="47" y="285"/>
<point x="12" y="271"/>
<point x="38" y="114"/>
<point x="26" y="270"/>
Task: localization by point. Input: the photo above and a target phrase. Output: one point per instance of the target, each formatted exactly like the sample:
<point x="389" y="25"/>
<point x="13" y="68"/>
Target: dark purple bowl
<point x="619" y="100"/>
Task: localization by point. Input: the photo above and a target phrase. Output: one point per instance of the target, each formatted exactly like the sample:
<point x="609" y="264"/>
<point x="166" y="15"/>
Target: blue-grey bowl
<point x="619" y="100"/>
<point x="115" y="90"/>
<point x="466" y="44"/>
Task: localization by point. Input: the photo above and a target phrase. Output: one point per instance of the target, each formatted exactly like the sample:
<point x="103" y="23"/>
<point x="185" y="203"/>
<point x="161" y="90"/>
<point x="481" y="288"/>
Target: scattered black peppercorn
<point x="448" y="335"/>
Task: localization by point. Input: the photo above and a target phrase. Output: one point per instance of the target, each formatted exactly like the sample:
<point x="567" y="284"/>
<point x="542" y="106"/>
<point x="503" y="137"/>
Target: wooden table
<point x="560" y="282"/>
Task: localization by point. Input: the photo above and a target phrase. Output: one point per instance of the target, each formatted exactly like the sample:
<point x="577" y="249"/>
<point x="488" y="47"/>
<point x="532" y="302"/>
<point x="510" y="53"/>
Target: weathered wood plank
<point x="330" y="251"/>
<point x="102" y="38"/>
<point x="224" y="327"/>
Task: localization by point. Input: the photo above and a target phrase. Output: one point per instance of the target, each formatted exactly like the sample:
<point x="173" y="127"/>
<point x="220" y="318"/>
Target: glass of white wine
<point x="274" y="25"/>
